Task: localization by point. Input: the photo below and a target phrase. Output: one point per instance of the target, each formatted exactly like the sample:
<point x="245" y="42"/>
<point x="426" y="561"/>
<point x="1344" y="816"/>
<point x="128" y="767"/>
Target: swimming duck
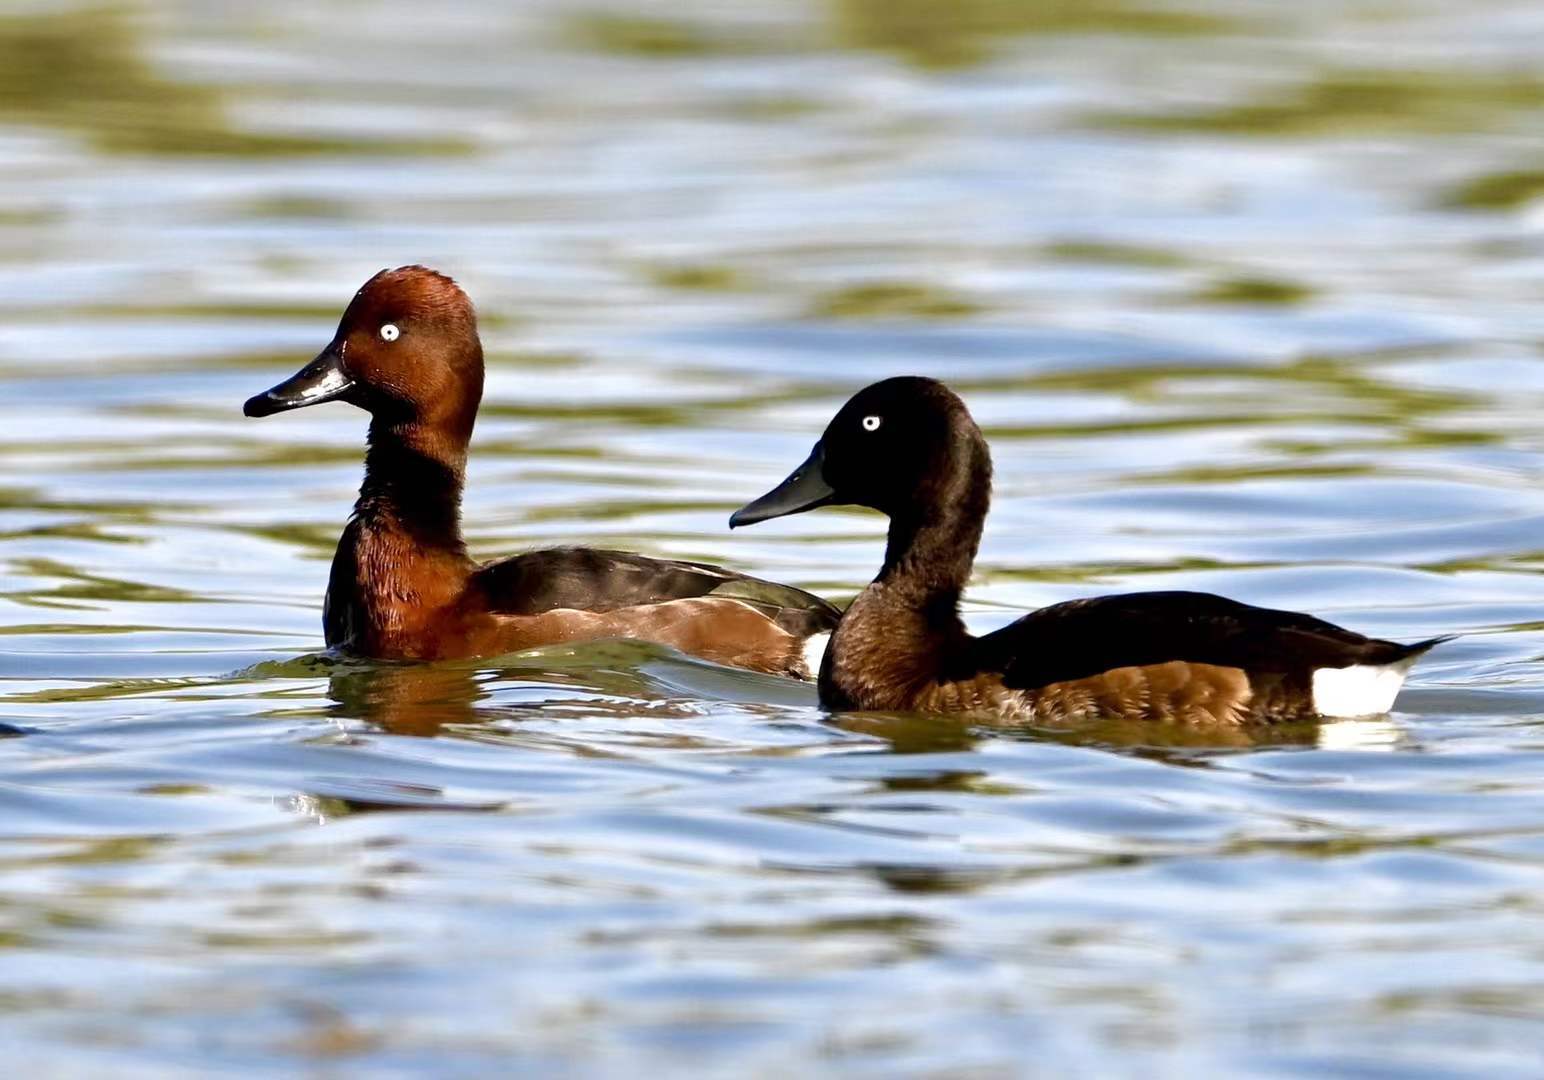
<point x="908" y="448"/>
<point x="402" y="584"/>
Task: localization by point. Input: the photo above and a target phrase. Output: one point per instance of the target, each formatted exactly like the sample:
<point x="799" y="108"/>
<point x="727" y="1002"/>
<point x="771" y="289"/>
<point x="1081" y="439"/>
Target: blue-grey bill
<point x="323" y="379"/>
<point x="805" y="489"/>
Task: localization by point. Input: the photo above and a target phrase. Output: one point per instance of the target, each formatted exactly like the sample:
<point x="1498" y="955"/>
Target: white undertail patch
<point x="1359" y="690"/>
<point x="815" y="652"/>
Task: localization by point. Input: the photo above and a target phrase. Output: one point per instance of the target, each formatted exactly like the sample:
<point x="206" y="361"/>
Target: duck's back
<point x="1163" y="654"/>
<point x="601" y="580"/>
<point x="574" y="593"/>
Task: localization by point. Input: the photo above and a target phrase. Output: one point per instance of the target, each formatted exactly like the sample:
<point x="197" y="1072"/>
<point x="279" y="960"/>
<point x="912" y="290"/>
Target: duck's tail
<point x="1368" y="689"/>
<point x="1409" y="654"/>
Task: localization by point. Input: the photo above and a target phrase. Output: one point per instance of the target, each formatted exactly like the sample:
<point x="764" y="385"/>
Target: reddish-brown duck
<point x="403" y="585"/>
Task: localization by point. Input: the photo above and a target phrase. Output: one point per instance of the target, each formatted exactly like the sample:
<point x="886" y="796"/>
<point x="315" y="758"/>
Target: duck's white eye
<point x="871" y="423"/>
<point x="389" y="332"/>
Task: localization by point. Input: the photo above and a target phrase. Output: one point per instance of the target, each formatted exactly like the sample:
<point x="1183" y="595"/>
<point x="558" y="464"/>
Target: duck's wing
<point x="1083" y="638"/>
<point x="596" y="579"/>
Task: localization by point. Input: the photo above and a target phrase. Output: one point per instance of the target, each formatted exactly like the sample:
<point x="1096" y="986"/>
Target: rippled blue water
<point x="1246" y="297"/>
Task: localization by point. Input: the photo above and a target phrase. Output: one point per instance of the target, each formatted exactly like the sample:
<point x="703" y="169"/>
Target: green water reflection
<point x="1367" y="101"/>
<point x="85" y="71"/>
<point x="964" y="33"/>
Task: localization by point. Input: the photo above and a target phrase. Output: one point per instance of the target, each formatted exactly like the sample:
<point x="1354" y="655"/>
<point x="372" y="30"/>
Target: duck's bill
<point x="805" y="489"/>
<point x="323" y="379"/>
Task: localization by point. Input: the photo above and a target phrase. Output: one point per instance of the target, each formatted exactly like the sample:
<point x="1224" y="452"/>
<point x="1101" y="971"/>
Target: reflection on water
<point x="1245" y="297"/>
<point x="970" y="31"/>
<point x="418" y="699"/>
<point x="85" y="71"/>
<point x="1369" y="100"/>
<point x="1362" y="734"/>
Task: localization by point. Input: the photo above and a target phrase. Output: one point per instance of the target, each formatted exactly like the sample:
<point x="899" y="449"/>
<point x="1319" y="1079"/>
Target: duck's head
<point x="406" y="351"/>
<point x="905" y="447"/>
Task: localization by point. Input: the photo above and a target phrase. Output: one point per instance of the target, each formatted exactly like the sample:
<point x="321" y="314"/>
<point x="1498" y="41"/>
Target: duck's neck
<point x="414" y="476"/>
<point x="401" y="562"/>
<point x="905" y="628"/>
<point x="928" y="557"/>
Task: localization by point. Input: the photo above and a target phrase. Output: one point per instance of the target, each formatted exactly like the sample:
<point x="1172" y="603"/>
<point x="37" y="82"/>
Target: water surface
<point x="1246" y="297"/>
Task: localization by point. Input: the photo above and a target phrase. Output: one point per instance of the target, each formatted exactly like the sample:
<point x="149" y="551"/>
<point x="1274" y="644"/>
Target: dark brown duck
<point x="403" y="586"/>
<point x="908" y="448"/>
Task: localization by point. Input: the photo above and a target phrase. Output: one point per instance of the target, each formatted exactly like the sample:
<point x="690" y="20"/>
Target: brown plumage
<point x="909" y="448"/>
<point x="403" y="585"/>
